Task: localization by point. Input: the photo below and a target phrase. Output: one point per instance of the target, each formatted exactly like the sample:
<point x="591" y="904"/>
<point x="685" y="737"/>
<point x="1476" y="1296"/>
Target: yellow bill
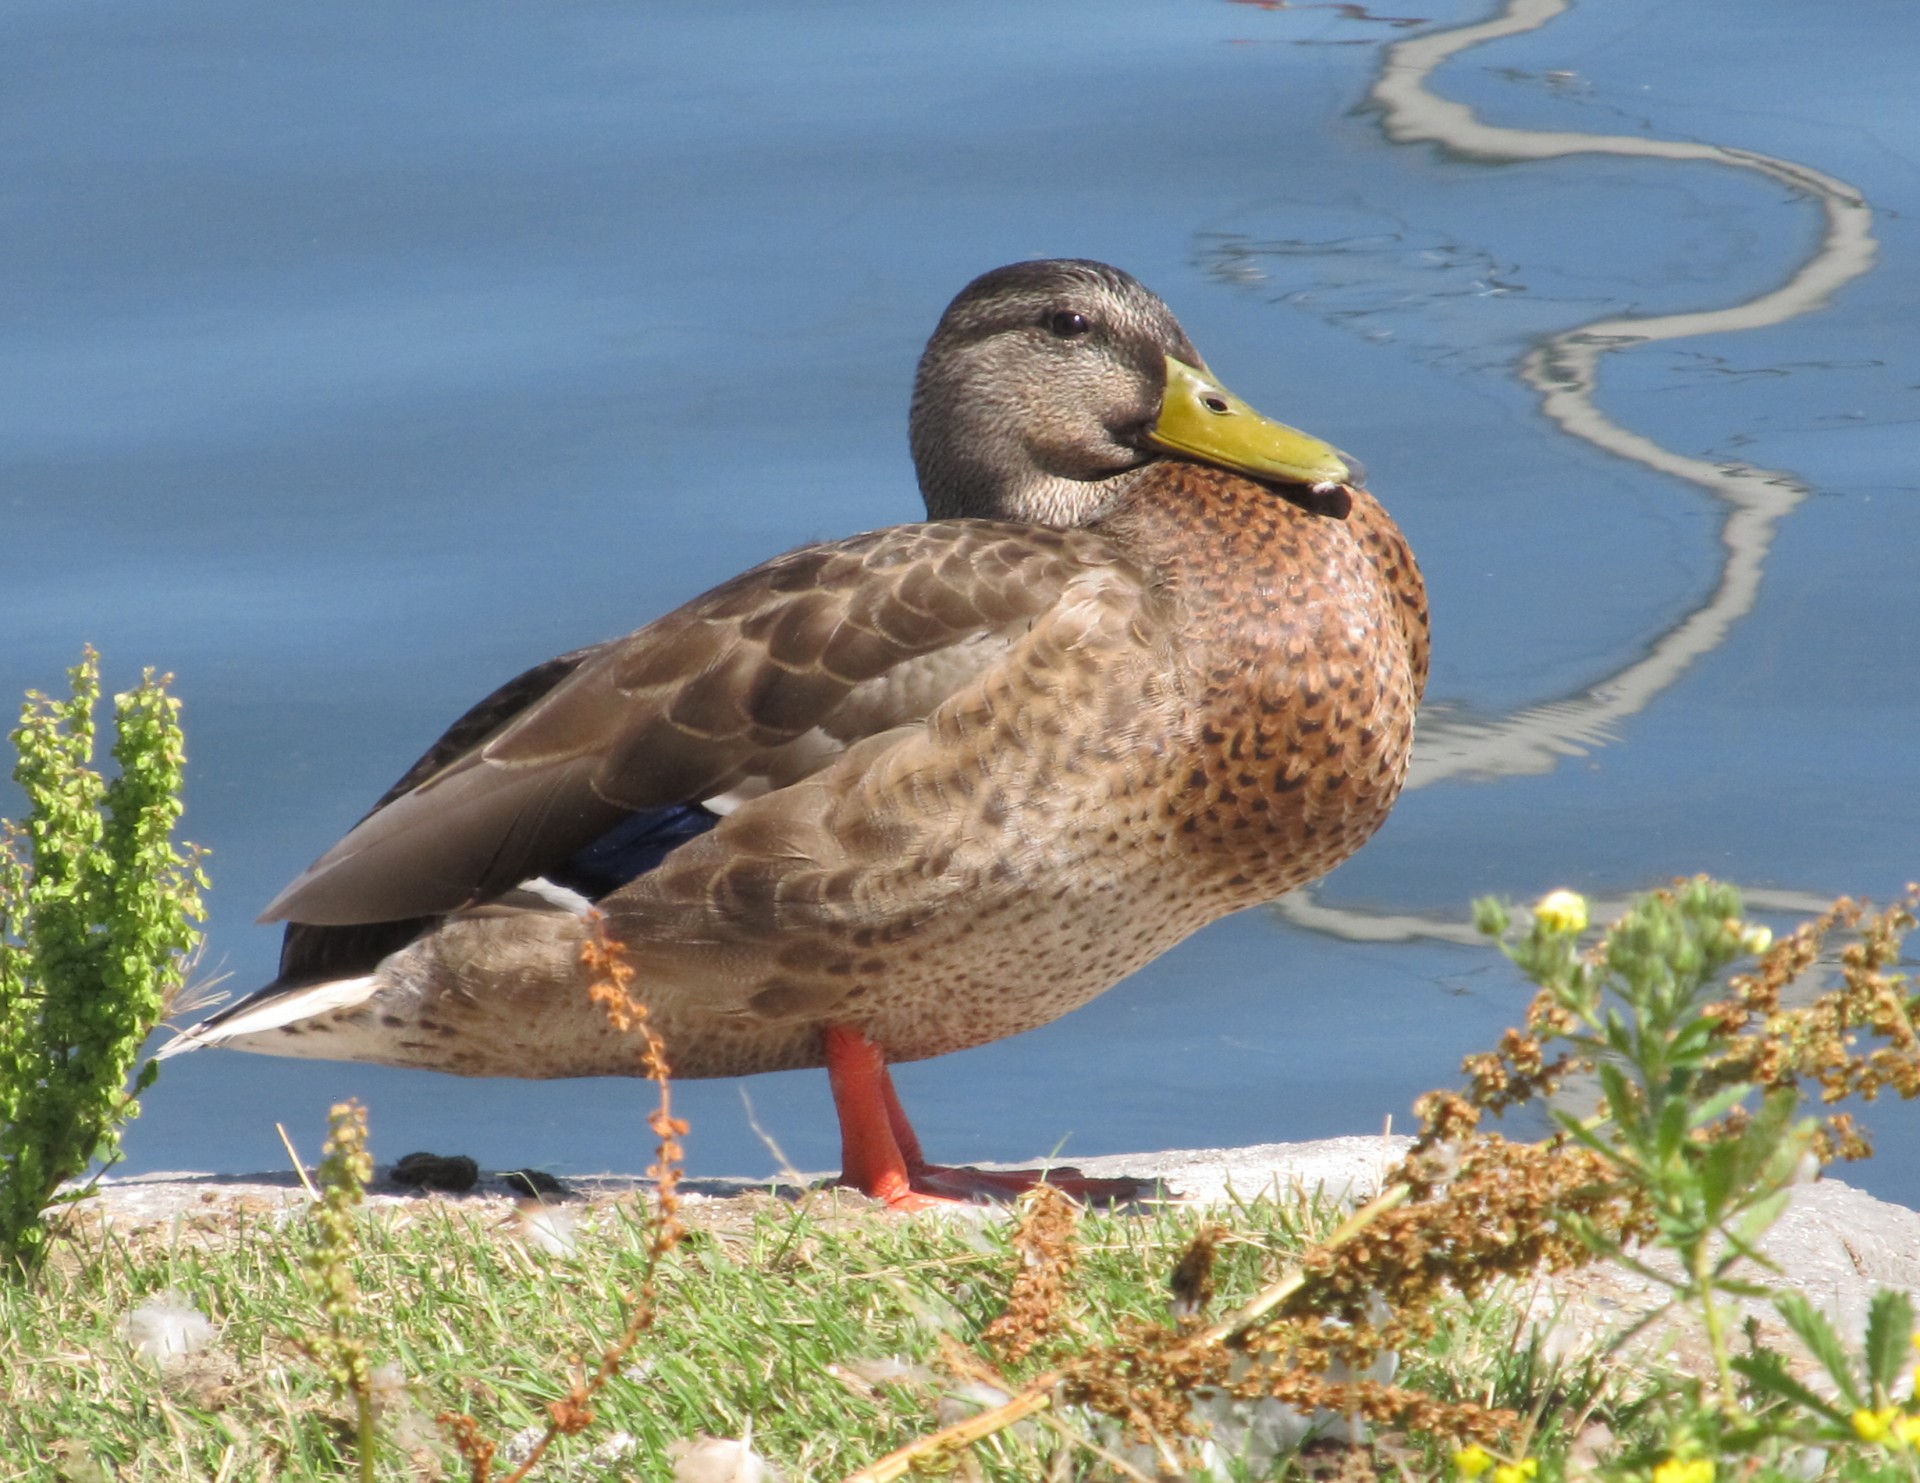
<point x="1203" y="420"/>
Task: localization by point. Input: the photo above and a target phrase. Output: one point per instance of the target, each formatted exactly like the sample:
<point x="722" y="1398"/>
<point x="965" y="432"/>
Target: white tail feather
<point x="275" y="1013"/>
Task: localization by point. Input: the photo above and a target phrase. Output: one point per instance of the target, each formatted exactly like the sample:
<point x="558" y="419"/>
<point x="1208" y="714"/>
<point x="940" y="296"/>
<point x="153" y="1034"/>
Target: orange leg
<point x="871" y="1158"/>
<point x="903" y="1133"/>
<point x="880" y="1153"/>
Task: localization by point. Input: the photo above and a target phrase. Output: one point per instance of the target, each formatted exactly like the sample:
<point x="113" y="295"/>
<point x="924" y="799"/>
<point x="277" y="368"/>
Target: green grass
<point x="770" y="1315"/>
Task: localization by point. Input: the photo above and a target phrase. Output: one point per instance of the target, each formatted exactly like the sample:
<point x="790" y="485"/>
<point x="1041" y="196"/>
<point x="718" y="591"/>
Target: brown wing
<point x="309" y="952"/>
<point x="1033" y="783"/>
<point x="764" y="678"/>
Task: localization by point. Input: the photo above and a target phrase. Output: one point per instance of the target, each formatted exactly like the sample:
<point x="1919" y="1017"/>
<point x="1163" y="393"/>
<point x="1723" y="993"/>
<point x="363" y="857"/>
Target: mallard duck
<point x="1152" y="659"/>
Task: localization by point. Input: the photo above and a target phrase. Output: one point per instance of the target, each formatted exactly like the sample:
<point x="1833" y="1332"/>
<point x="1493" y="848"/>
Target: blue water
<point x="355" y="357"/>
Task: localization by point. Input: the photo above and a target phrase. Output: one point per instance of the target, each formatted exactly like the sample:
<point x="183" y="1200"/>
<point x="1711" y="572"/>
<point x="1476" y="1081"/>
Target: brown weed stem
<point x="1039" y="1394"/>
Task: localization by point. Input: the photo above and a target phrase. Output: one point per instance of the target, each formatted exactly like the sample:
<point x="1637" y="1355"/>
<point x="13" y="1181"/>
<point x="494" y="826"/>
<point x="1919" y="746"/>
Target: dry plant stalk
<point x="1761" y="1042"/>
<point x="1477" y="1208"/>
<point x="1490" y="1220"/>
<point x="1484" y="1207"/>
<point x="1045" y="1258"/>
<point x="1192" y="1279"/>
<point x="612" y="989"/>
<point x="1114" y="1373"/>
<point x="1773" y="1046"/>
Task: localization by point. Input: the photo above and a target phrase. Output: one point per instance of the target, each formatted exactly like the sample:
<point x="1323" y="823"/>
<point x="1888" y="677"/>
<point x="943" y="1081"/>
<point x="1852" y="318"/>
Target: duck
<point x="1151" y="659"/>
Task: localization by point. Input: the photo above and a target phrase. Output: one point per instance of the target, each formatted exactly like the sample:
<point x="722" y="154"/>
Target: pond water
<point x="357" y="356"/>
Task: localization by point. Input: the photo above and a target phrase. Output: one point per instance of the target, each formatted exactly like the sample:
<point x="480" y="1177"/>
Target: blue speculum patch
<point x="634" y="846"/>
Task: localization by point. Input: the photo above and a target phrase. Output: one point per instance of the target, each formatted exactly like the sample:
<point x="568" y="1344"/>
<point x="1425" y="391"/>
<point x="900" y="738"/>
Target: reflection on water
<point x="1564" y="369"/>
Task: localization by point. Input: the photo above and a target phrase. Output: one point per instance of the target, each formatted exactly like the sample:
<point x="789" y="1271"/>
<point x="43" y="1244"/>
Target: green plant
<point x="1701" y="1131"/>
<point x="345" y="1169"/>
<point x="1703" y="1125"/>
<point x="1863" y="1405"/>
<point x="1713" y="1158"/>
<point x="98" y="914"/>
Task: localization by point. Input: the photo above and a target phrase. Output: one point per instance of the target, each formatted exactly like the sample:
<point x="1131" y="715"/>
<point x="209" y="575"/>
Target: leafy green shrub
<point x="1703" y="1127"/>
<point x="97" y="925"/>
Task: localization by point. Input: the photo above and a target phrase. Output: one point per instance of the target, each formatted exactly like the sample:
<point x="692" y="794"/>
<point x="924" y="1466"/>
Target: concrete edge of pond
<point x="1836" y="1244"/>
<point x="1344" y="1169"/>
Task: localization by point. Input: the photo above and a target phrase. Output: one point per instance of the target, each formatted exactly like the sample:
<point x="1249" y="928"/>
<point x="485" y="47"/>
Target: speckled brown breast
<point x="1303" y="644"/>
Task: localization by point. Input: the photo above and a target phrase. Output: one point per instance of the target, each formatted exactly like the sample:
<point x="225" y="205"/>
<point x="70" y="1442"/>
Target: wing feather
<point x="752" y="679"/>
<point x="969" y="802"/>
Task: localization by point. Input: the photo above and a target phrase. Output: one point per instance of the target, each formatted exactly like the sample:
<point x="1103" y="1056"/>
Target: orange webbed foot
<point x="880" y="1153"/>
<point x="971" y="1184"/>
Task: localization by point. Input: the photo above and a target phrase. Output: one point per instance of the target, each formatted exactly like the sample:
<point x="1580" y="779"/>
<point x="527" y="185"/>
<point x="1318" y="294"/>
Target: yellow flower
<point x="1874" y="1426"/>
<point x="1692" y="1470"/>
<point x="1756" y="940"/>
<point x="1907" y="1429"/>
<point x="1562" y="911"/>
<point x="1516" y="1472"/>
<point x="1472" y="1460"/>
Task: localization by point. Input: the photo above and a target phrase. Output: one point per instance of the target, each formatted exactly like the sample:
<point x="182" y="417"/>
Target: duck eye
<point x="1065" y="324"/>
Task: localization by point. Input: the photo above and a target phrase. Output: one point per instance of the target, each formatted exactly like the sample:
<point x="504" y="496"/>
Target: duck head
<point x="1049" y="387"/>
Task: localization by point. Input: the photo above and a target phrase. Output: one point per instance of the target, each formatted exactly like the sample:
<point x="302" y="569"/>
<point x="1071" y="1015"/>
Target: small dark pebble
<point x="454" y="1172"/>
<point x="532" y="1182"/>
